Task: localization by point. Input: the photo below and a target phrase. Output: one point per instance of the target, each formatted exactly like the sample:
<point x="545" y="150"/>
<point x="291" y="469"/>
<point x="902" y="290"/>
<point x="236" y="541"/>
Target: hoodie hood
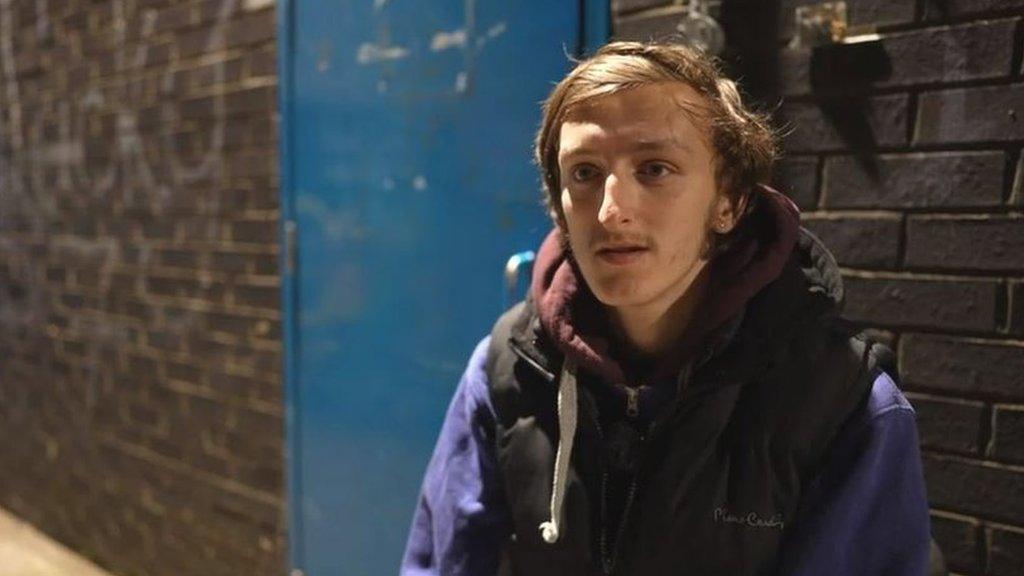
<point x="577" y="324"/>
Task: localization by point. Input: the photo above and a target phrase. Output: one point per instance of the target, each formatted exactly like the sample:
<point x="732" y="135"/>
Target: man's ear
<point x="728" y="209"/>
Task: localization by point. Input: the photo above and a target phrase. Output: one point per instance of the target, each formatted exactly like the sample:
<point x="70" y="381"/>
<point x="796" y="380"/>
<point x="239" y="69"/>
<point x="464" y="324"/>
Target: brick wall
<point x="140" y="387"/>
<point x="906" y="160"/>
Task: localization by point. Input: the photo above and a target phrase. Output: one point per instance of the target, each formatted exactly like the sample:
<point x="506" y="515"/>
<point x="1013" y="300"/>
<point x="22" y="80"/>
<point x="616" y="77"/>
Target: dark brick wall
<point x="906" y="159"/>
<point x="140" y="387"/>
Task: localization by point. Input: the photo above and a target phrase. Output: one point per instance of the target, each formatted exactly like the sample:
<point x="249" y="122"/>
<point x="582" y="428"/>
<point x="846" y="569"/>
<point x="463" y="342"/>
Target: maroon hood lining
<point x="576" y="322"/>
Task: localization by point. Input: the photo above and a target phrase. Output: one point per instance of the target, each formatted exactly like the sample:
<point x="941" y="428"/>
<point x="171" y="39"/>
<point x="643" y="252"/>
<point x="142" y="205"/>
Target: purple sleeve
<point x="867" y="512"/>
<point x="461" y="518"/>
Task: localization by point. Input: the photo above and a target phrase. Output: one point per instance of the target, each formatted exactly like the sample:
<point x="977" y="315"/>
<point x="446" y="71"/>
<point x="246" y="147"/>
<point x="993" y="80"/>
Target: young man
<point x="677" y="394"/>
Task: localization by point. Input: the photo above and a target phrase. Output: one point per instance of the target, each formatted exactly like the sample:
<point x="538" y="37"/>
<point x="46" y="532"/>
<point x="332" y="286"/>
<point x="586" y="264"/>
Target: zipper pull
<point x="632" y="402"/>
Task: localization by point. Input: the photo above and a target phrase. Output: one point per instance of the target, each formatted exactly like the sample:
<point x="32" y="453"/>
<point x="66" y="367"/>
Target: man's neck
<point x="652" y="329"/>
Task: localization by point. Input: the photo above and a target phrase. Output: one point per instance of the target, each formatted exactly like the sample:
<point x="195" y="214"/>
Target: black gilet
<point x="721" y="471"/>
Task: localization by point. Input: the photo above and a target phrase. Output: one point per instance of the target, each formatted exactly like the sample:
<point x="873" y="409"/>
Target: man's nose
<point x="618" y="203"/>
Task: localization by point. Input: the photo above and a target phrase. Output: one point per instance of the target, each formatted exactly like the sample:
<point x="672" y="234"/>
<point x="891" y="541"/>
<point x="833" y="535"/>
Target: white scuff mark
<point x="419" y="182"/>
<point x="341" y="225"/>
<point x="313" y="510"/>
<point x="369" y="53"/>
<point x="446" y="40"/>
<point x="461" y="82"/>
<point x="382" y="86"/>
<point x="494" y="32"/>
<point x="323" y="56"/>
<point x="388" y="184"/>
<point x="379" y="5"/>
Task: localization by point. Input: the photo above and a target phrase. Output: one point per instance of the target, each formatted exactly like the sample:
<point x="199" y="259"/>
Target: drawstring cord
<point x="566" y="435"/>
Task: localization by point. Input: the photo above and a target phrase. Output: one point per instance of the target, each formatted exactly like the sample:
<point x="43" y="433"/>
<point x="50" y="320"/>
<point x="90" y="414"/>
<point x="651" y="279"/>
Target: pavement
<point x="25" y="551"/>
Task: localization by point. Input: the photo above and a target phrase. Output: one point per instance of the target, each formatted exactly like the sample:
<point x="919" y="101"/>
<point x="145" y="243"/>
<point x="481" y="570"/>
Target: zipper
<point x="677" y="402"/>
<point x="607" y="557"/>
<point x="606" y="567"/>
<point x="608" y="560"/>
<point x="632" y="402"/>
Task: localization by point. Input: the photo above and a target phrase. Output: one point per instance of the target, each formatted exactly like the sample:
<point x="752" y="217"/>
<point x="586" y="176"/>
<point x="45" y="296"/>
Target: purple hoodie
<point x="865" y="514"/>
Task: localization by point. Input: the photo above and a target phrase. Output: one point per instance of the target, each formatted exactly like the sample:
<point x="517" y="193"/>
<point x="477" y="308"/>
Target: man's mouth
<point x="623" y="254"/>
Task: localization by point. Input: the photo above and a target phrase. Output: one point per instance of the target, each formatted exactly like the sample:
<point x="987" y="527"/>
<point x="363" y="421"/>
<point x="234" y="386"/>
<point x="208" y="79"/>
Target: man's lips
<point x="623" y="254"/>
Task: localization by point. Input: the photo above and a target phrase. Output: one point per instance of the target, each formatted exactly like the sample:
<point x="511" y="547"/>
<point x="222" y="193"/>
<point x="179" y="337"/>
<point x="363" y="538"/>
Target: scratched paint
<point x="492" y="33"/>
<point x="461" y="82"/>
<point x="323" y="58"/>
<point x="369" y="53"/>
<point x="337" y="225"/>
<point x="447" y="40"/>
<point x="470" y="39"/>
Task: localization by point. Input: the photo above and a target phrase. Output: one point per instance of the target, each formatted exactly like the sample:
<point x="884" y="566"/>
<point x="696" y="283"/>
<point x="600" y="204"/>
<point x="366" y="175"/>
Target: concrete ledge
<point x="25" y="551"/>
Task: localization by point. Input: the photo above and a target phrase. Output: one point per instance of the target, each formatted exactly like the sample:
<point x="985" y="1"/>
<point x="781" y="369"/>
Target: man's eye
<point x="655" y="170"/>
<point x="584" y="173"/>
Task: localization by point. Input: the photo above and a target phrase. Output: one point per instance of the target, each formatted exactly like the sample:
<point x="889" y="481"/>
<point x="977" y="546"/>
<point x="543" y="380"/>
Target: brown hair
<point x="743" y="143"/>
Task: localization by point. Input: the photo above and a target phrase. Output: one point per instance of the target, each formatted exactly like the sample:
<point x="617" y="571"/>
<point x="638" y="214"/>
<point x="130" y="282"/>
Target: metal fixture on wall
<point x="826" y="24"/>
<point x="700" y="30"/>
<point x="819" y="24"/>
<point x="843" y="58"/>
<point x="517" y="272"/>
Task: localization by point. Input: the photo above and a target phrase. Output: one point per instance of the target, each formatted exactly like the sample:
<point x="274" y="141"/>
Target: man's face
<point x="639" y="193"/>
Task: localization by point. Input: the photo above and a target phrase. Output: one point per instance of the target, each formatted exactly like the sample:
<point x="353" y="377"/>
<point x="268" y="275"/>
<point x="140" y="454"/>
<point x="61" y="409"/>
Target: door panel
<point x="410" y="180"/>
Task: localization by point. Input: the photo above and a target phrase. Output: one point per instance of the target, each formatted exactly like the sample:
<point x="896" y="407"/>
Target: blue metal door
<point x="407" y="182"/>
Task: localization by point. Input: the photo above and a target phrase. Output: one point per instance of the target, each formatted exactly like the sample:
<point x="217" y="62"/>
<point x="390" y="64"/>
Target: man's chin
<point x="619" y="294"/>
